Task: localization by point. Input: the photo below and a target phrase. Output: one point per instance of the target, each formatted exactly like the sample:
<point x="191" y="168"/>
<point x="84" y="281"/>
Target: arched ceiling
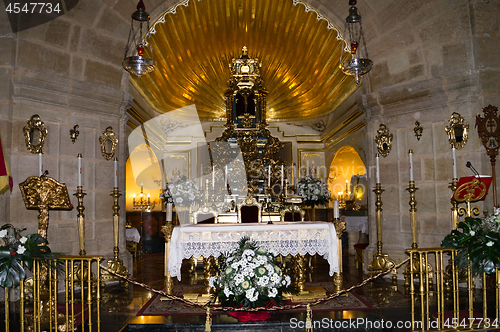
<point x="194" y="42"/>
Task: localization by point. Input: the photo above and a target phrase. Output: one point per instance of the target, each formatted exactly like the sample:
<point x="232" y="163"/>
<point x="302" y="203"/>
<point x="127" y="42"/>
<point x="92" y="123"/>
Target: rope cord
<point x="275" y="308"/>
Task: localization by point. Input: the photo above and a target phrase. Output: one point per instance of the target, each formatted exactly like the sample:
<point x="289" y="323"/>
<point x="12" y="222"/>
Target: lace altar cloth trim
<point x="280" y="238"/>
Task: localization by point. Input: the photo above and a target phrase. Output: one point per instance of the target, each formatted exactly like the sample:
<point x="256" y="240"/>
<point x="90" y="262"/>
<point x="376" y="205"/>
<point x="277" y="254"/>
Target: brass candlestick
<point x="115" y="264"/>
<point x="168" y="283"/>
<point x="417" y="265"/>
<point x="454" y="204"/>
<point x="381" y="261"/>
<point x="337" y="277"/>
<point x="81" y="219"/>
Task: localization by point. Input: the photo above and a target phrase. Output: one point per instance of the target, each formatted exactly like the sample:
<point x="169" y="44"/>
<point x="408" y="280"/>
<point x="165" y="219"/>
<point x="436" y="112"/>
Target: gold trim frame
<point x="458" y="131"/>
<point x="34" y="134"/>
<point x="108" y="143"/>
<point x="383" y="140"/>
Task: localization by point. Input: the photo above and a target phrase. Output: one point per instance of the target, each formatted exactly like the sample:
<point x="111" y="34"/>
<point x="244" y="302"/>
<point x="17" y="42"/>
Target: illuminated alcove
<point x="346" y="164"/>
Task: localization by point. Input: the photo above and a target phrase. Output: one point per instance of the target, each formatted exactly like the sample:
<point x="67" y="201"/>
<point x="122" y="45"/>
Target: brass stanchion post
<point x="381" y="261"/>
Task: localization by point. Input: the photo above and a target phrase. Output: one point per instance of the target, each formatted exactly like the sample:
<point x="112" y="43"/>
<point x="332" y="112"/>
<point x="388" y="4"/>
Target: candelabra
<point x="115" y="264"/>
<point x="381" y="261"/>
<point x="416" y="265"/>
<point x="81" y="219"/>
<point x="337" y="277"/>
<point x="143" y="203"/>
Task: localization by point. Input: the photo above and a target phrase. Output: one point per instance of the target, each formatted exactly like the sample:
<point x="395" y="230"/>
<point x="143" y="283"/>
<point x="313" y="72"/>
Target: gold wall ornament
<point x="418" y="130"/>
<point x="458" y="131"/>
<point x="108" y="143"/>
<point x="34" y="134"/>
<point x="488" y="129"/>
<point x="383" y="140"/>
<point x="73" y="133"/>
<point x="44" y="193"/>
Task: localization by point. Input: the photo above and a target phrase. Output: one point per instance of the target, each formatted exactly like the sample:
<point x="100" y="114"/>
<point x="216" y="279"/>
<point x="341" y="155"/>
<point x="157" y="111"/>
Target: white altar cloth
<point x="281" y="238"/>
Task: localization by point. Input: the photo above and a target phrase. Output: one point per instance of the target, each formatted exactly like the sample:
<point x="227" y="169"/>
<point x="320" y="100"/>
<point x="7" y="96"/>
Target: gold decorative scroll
<point x="194" y="41"/>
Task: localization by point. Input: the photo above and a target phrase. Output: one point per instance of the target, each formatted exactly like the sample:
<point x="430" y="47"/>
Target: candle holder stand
<point x="417" y="265"/>
<point x="381" y="261"/>
<point x="168" y="282"/>
<point x="337" y="277"/>
<point x="454" y="204"/>
<point x="115" y="264"/>
<point x="81" y="219"/>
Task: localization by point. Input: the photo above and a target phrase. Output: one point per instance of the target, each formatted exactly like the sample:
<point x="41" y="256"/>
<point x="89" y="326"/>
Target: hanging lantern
<point x="137" y="63"/>
<point x="359" y="64"/>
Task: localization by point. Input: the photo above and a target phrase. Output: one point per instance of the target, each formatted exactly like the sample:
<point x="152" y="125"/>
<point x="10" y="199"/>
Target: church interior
<point x="354" y="142"/>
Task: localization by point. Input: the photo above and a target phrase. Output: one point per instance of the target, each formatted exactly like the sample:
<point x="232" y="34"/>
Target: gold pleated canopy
<point x="194" y="42"/>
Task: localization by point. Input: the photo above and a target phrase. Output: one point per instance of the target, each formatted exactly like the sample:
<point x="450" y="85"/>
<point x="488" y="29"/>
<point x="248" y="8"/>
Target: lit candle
<point x="411" y="164"/>
<point x="79" y="170"/>
<point x="116" y="173"/>
<point x="40" y="165"/>
<point x="377" y="168"/>
<point x="269" y="177"/>
<point x="336" y="209"/>
<point x="282" y="175"/>
<point x="454" y="153"/>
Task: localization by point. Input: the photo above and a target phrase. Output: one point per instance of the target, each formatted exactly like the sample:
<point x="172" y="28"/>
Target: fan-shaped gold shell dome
<point x="194" y="42"/>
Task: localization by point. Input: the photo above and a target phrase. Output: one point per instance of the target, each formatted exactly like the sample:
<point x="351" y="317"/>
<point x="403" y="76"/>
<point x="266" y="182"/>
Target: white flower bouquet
<point x="250" y="277"/>
<point x="184" y="191"/>
<point x="313" y="191"/>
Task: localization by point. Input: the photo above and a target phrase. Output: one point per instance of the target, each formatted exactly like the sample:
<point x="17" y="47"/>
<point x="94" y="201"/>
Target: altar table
<point x="280" y="238"/>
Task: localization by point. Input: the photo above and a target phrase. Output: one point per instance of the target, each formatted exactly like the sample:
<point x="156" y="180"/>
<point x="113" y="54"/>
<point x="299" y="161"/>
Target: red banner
<point x="6" y="182"/>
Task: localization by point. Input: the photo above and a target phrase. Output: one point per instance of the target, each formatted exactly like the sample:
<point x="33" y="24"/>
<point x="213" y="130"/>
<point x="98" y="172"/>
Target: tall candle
<point x="225" y="176"/>
<point x="79" y="170"/>
<point x="282" y="175"/>
<point x="411" y="164"/>
<point x="40" y="165"/>
<point x="377" y="168"/>
<point x="201" y="177"/>
<point x="269" y="176"/>
<point x="116" y="173"/>
<point x="169" y="211"/>
<point x="454" y="153"/>
<point x="213" y="177"/>
<point x="336" y="209"/>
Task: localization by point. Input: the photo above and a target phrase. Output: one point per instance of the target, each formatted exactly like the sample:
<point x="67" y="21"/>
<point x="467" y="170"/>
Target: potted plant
<point x="18" y="252"/>
<point x="478" y="243"/>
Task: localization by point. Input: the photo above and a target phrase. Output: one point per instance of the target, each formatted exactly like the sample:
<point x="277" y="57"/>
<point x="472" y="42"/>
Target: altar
<point x="282" y="238"/>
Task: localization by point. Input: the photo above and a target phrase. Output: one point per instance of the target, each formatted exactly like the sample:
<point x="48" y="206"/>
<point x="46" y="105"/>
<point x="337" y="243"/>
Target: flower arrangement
<point x="478" y="243"/>
<point x="250" y="277"/>
<point x="184" y="191"/>
<point x="16" y="249"/>
<point x="313" y="191"/>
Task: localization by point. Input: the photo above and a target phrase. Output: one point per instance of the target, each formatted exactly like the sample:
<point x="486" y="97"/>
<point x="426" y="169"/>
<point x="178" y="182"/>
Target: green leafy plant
<point x="17" y="250"/>
<point x="478" y="243"/>
<point x="250" y="277"/>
